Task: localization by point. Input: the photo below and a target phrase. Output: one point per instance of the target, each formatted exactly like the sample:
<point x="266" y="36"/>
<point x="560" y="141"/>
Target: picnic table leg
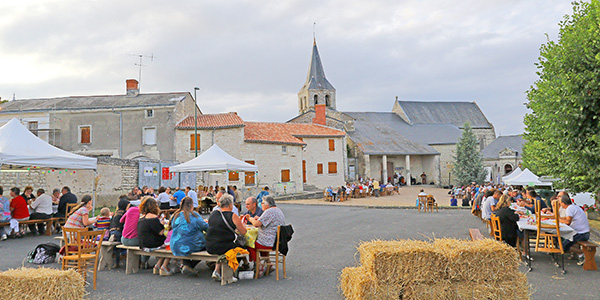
<point x="106" y="260"/>
<point x="49" y="224"/>
<point x="226" y="273"/>
<point x="132" y="264"/>
<point x="590" y="261"/>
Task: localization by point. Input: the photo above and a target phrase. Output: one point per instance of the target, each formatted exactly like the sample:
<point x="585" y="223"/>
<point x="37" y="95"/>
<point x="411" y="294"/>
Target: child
<point x="103" y="221"/>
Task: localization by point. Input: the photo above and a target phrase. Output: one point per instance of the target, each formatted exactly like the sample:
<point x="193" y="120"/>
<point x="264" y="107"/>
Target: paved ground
<point x="324" y="243"/>
<point x="406" y="198"/>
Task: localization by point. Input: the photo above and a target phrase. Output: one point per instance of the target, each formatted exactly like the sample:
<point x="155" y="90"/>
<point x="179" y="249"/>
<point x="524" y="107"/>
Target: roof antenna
<point x="314" y="36"/>
<point x="141" y="56"/>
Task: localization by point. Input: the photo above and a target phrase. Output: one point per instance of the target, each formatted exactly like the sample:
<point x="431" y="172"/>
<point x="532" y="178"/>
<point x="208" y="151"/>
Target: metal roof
<point x="445" y="112"/>
<point x="92" y="102"/>
<point x="316" y="80"/>
<point x="379" y="133"/>
<point x="513" y="142"/>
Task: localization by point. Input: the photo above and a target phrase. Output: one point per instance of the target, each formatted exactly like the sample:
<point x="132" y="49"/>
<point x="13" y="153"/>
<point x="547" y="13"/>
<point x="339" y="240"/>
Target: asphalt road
<point x="324" y="242"/>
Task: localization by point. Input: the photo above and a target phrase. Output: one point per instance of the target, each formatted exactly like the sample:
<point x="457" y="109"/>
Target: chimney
<point x="132" y="87"/>
<point x="320" y="115"/>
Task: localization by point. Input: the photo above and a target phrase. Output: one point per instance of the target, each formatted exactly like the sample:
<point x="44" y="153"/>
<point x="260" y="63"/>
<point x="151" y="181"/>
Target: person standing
<point x="264" y="192"/>
<point x="176" y="198"/>
<point x="41" y="209"/>
<point x="423" y="178"/>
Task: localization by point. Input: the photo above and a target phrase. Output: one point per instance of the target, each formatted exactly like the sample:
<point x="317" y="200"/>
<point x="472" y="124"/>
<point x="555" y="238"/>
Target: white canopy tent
<point x="20" y="147"/>
<point x="516" y="172"/>
<point x="525" y="178"/>
<point x="214" y="159"/>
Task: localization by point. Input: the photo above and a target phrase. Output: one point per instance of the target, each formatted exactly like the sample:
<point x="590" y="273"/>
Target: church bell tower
<point x="316" y="89"/>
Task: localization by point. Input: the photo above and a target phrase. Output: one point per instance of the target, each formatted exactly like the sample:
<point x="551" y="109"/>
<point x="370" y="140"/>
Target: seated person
<point x="41" y="209"/>
<point x="508" y="220"/>
<point x="116" y="227"/>
<point x="219" y="237"/>
<point x="422" y="193"/>
<point x="331" y="193"/>
<point x="187" y="236"/>
<point x="18" y="211"/>
<point x="234" y="209"/>
<point x="489" y="204"/>
<point x="176" y="198"/>
<point x="253" y="210"/>
<point x="267" y="227"/>
<point x="103" y="221"/>
<point x="79" y="218"/>
<point x="66" y="198"/>
<point x="577" y="219"/>
<point x="151" y="233"/>
<point x="4" y="215"/>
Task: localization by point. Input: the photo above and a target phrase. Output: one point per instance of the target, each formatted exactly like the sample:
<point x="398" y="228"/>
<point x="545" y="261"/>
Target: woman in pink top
<point x="130" y="221"/>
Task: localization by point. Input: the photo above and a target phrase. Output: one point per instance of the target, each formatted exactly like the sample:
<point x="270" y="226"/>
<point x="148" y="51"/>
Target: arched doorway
<point x="507" y="168"/>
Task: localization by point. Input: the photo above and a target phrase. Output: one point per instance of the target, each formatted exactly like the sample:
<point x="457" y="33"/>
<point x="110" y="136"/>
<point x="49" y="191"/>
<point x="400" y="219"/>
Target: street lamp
<point x="196" y="121"/>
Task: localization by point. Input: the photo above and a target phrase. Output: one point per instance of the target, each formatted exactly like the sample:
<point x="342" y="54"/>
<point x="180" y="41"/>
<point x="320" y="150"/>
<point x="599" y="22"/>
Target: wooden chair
<point x="431" y="203"/>
<point x="70" y="209"/>
<point x="546" y="241"/>
<point x="273" y="258"/>
<point x="82" y="249"/>
<point x="326" y="196"/>
<point x="496" y="229"/>
<point x="422" y="202"/>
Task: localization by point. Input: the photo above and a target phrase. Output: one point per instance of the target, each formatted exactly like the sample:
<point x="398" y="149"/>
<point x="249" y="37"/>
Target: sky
<point x="252" y="57"/>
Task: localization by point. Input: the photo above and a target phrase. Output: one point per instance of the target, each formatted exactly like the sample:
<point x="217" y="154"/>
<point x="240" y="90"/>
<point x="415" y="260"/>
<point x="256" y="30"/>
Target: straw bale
<point x="402" y="261"/>
<point x="440" y="290"/>
<point x="358" y="283"/>
<point x="41" y="283"/>
<point x="516" y="287"/>
<point x="477" y="261"/>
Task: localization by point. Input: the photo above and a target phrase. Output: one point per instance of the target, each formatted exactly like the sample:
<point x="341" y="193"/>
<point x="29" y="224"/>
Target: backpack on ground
<point x="43" y="254"/>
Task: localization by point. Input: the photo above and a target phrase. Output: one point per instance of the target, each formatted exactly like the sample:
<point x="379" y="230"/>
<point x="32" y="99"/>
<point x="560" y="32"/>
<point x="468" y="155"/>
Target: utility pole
<point x="196" y="121"/>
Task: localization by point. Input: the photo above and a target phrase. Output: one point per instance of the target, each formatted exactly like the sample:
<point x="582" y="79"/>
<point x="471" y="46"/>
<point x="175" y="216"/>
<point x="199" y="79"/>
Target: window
<point x="327" y="100"/>
<point x="249" y="176"/>
<point x="149" y="113"/>
<point x="194" y="140"/>
<point x="149" y="136"/>
<point x="285" y="175"/>
<point x="33" y="127"/>
<point x="316" y="99"/>
<point x="283" y="149"/>
<point x="85" y="134"/>
<point x="331" y="145"/>
<point x="319" y="168"/>
<point x="234" y="176"/>
<point x="332" y="168"/>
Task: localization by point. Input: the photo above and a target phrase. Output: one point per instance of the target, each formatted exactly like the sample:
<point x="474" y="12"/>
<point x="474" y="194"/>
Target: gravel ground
<point x="324" y="242"/>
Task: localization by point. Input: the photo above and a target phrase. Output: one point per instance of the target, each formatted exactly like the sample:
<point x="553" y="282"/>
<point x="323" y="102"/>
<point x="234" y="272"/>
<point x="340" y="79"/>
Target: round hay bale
<point x="41" y="283"/>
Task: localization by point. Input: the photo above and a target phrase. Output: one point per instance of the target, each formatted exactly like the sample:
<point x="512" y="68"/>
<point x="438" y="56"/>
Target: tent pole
<point x="94" y="191"/>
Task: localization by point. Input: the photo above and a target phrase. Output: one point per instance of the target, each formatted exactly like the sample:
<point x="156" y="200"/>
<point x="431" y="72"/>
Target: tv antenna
<point x="140" y="65"/>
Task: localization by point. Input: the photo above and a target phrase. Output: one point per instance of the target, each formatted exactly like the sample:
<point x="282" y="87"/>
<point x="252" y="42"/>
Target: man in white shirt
<point x="577" y="219"/>
<point x="489" y="204"/>
<point x="41" y="209"/>
<point x="192" y="194"/>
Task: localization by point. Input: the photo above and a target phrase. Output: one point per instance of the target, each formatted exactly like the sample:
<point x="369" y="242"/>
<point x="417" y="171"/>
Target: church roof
<point x="513" y="142"/>
<point x="385" y="133"/>
<point x="316" y="80"/>
<point x="444" y="112"/>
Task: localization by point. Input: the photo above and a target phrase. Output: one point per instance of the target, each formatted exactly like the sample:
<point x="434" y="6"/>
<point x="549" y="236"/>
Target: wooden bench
<point x="134" y="253"/>
<point x="49" y="222"/>
<point x="475" y="234"/>
<point x="589" y="251"/>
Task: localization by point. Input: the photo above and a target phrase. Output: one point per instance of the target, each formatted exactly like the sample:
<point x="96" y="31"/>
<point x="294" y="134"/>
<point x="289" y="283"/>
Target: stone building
<point x="288" y="156"/>
<point x="502" y="156"/>
<point x="415" y="137"/>
<point x="134" y="125"/>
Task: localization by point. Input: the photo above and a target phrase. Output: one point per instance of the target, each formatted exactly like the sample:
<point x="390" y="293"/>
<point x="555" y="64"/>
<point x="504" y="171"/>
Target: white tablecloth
<point x="565" y="230"/>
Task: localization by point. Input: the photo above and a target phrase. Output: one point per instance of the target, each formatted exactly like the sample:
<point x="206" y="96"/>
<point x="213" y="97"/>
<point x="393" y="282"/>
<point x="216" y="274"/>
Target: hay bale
<point x="358" y="283"/>
<point x="41" y="283"/>
<point x="515" y="287"/>
<point x="477" y="261"/>
<point x="440" y="290"/>
<point x="402" y="262"/>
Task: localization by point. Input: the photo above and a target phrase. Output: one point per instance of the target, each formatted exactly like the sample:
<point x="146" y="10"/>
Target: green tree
<point x="562" y="130"/>
<point x="469" y="166"/>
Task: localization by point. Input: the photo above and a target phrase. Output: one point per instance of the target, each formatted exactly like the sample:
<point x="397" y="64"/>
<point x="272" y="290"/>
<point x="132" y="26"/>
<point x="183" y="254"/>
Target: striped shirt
<point x="102" y="223"/>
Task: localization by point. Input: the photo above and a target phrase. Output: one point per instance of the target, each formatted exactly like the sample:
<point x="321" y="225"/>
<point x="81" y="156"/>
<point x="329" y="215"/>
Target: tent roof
<point x="18" y="146"/>
<point x="525" y="178"/>
<point x="214" y="159"/>
<point x="516" y="172"/>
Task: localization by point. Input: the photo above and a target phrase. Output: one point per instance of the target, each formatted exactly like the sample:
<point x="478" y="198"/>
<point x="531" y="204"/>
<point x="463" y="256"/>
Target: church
<point x="415" y="138"/>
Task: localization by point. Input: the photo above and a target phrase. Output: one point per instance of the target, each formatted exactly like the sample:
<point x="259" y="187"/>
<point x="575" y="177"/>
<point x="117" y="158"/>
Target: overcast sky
<point x="252" y="56"/>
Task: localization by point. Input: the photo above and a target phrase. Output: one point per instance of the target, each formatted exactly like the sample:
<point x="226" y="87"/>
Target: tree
<point x="562" y="130"/>
<point x="469" y="166"/>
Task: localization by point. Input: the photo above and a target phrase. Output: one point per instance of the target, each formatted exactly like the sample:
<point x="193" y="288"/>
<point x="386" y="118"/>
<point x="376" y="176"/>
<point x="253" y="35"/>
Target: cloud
<point x="252" y="57"/>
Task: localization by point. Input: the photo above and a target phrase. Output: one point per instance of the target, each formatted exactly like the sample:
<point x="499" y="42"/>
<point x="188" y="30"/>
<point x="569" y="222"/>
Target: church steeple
<point x="317" y="89"/>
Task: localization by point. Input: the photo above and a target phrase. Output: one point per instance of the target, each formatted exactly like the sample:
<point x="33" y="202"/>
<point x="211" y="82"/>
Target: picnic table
<point x="529" y="228"/>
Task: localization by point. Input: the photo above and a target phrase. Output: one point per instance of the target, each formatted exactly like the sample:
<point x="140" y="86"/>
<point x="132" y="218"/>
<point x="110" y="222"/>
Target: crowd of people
<point x="364" y="187"/>
<point x="138" y="221"/>
<point x="27" y="206"/>
<point x="490" y="200"/>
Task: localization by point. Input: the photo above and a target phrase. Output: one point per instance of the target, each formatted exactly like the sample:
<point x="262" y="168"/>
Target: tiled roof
<point x="227" y="120"/>
<point x="92" y="102"/>
<point x="282" y="133"/>
<point x="445" y="112"/>
<point x="513" y="142"/>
